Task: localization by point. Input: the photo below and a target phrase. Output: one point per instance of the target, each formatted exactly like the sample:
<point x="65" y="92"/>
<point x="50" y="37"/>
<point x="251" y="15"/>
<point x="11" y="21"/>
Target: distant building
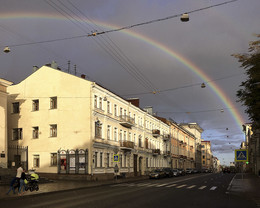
<point x="207" y="158"/>
<point x="196" y="130"/>
<point x="3" y="123"/>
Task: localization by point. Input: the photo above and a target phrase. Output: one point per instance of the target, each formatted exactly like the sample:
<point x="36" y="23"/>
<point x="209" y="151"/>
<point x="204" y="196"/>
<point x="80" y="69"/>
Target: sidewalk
<point x="246" y="185"/>
<point x="62" y="185"/>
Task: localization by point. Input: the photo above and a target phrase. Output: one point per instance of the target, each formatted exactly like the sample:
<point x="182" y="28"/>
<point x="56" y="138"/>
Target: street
<point x="196" y="190"/>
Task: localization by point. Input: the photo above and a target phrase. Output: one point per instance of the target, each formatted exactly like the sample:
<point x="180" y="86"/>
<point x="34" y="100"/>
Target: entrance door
<point x="135" y="165"/>
<point x="17" y="160"/>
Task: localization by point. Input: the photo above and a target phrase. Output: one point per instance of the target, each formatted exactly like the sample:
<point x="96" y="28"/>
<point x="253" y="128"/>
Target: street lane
<point x="171" y="192"/>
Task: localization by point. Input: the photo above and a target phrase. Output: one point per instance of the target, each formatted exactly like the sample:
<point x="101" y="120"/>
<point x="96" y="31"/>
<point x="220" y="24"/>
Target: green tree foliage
<point x="249" y="94"/>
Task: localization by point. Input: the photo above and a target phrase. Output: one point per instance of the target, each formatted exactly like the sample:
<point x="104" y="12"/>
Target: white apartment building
<point x="61" y="123"/>
<point x="3" y="123"/>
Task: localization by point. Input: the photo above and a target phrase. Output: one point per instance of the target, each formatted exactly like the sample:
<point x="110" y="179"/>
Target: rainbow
<point x="187" y="63"/>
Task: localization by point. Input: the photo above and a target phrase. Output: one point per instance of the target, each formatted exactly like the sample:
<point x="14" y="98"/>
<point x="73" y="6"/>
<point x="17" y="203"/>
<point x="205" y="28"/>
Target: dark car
<point x="175" y="172"/>
<point x="205" y="170"/>
<point x="195" y="170"/>
<point x="168" y="172"/>
<point x="158" y="173"/>
<point x="189" y="170"/>
<point x="181" y="171"/>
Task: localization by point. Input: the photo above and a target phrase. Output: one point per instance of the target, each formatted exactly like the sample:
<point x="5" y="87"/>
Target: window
<point x="95" y="101"/>
<point x="53" y="103"/>
<point x="95" y="159"/>
<point x="124" y="135"/>
<point x="36" y="161"/>
<point x="17" y="133"/>
<point x="203" y="162"/>
<point x="35" y="105"/>
<point x="98" y="129"/>
<point x="140" y="141"/>
<point x="108" y="160"/>
<point x="108" y="132"/>
<point x="16" y="107"/>
<point x="101" y="159"/>
<point x="53" y="159"/>
<point x="115" y="110"/>
<point x="125" y="112"/>
<point x="130" y="136"/>
<point x="100" y="103"/>
<point x="121" y="111"/>
<point x="115" y="134"/>
<point x="108" y="107"/>
<point x="53" y="130"/>
<point x="35" y="132"/>
<point x="203" y="156"/>
<point x="121" y="135"/>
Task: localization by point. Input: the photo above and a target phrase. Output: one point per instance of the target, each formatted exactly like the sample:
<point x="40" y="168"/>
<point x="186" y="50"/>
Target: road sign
<point x="116" y="158"/>
<point x="241" y="155"/>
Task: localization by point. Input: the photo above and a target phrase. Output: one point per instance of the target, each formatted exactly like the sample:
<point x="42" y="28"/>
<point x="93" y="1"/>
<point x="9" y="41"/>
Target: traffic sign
<point x="241" y="155"/>
<point x="116" y="158"/>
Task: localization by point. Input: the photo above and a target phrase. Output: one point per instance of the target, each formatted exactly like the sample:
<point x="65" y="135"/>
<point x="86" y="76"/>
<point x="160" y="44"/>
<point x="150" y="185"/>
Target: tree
<point x="249" y="94"/>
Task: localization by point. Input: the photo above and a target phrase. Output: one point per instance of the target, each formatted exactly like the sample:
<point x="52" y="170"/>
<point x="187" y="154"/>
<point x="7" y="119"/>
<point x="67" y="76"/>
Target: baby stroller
<point x="32" y="182"/>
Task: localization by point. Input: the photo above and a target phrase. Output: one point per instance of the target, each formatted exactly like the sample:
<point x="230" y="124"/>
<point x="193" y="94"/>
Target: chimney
<point x="54" y="65"/>
<point x="83" y="76"/>
<point x="134" y="101"/>
<point x="149" y="109"/>
<point x="35" y="68"/>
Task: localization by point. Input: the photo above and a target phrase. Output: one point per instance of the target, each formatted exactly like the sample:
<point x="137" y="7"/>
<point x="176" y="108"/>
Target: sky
<point x="163" y="63"/>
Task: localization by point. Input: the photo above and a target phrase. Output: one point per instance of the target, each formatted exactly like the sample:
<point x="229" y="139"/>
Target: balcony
<point x="126" y="121"/>
<point x="166" y="153"/>
<point x="156" y="152"/>
<point x="156" y="132"/>
<point x="127" y="145"/>
<point x="166" y="137"/>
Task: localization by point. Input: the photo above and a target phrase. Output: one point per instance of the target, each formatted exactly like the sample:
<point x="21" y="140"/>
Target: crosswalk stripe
<point x="202" y="187"/>
<point x="171" y="185"/>
<point x="181" y="186"/>
<point x="190" y="187"/>
<point x="143" y="184"/>
<point x="162" y="185"/>
<point x="213" y="188"/>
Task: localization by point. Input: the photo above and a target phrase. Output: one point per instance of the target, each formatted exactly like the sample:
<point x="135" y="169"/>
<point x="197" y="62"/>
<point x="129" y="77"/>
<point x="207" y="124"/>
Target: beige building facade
<point x="207" y="157"/>
<point x="65" y="124"/>
<point x="3" y="123"/>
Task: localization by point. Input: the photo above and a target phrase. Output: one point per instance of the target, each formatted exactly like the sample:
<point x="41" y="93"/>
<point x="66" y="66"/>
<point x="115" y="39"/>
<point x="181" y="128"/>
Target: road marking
<point x="181" y="186"/>
<point x="202" y="187"/>
<point x="162" y="185"/>
<point x="143" y="184"/>
<point x="213" y="188"/>
<point x="171" y="185"/>
<point x="190" y="187"/>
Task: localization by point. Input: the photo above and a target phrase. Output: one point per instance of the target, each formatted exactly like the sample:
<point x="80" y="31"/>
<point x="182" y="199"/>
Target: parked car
<point x="158" y="173"/>
<point x="189" y="171"/>
<point x="175" y="172"/>
<point x="195" y="170"/>
<point x="181" y="171"/>
<point x="168" y="172"/>
<point x="205" y="170"/>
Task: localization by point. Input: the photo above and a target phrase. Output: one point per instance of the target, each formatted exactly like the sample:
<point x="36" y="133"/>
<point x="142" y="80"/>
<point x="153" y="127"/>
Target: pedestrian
<point x="22" y="184"/>
<point x="19" y="172"/>
<point x="13" y="185"/>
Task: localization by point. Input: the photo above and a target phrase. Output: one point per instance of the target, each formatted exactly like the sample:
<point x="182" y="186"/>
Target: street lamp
<point x="7" y="49"/>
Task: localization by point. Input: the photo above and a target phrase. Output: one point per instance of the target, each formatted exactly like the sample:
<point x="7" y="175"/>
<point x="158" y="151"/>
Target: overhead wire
<point x="105" y="45"/>
<point x="161" y="19"/>
<point x="137" y="71"/>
